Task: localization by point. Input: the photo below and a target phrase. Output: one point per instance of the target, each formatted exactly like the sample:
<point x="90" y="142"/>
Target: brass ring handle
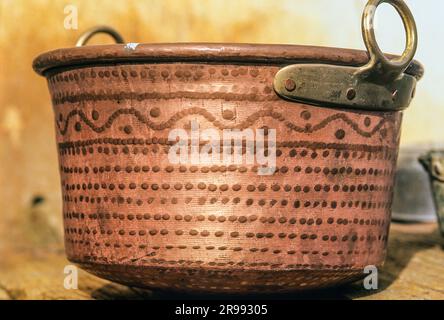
<point x="87" y="35"/>
<point x="379" y="66"/>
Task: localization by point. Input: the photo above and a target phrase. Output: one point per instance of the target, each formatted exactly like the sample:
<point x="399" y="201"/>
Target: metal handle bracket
<point x="379" y="85"/>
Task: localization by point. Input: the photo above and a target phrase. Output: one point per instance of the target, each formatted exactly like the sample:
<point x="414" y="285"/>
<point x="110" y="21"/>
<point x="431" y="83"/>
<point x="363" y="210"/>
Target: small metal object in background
<point x="433" y="162"/>
<point x="413" y="201"/>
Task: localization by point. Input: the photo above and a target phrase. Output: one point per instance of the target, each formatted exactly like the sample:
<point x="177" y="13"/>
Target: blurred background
<point x="30" y="198"/>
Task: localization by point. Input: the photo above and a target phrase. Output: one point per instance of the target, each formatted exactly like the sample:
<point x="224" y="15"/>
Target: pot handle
<point x="379" y="66"/>
<point x="380" y="85"/>
<point x="87" y="35"/>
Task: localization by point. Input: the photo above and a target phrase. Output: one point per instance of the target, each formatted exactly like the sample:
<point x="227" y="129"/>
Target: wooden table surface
<point x="414" y="269"/>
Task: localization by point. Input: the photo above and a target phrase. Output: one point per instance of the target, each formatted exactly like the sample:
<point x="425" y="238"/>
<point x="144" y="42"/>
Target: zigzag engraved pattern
<point x="212" y="119"/>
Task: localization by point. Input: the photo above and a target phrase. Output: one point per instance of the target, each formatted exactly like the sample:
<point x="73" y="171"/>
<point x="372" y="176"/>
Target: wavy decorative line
<point x="336" y="116"/>
<point x="212" y="119"/>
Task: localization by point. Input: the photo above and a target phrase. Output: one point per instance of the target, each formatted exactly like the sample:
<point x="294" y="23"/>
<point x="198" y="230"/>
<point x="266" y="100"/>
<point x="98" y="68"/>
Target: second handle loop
<point x="87" y="35"/>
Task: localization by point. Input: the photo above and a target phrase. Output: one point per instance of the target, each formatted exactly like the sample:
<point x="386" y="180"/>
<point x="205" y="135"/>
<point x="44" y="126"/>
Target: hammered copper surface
<point x="132" y="217"/>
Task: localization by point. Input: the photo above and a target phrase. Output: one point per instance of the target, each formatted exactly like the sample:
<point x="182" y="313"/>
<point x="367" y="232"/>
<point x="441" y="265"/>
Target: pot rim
<point x="211" y="53"/>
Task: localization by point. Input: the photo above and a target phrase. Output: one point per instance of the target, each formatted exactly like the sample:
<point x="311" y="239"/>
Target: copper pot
<point x="132" y="217"/>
